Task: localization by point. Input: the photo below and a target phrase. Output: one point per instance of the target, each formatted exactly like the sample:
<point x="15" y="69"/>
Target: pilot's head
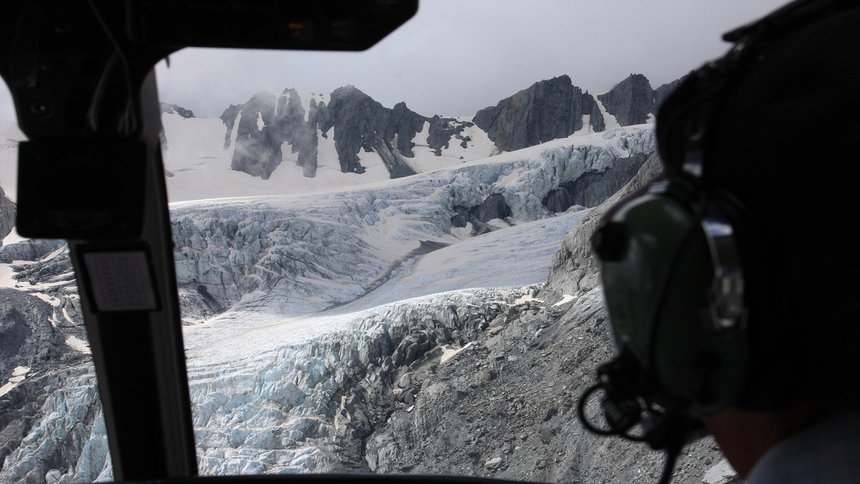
<point x="735" y="281"/>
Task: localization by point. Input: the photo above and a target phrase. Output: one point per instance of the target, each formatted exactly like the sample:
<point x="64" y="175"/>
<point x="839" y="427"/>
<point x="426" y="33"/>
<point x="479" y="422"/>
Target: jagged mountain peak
<point x="402" y="107"/>
<point x="631" y="101"/>
<point x="348" y="90"/>
<point x="262" y="95"/>
<point x="547" y="110"/>
<point x="175" y="109"/>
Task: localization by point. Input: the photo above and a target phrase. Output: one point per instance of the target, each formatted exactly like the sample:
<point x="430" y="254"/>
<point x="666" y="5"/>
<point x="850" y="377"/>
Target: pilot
<point x="733" y="283"/>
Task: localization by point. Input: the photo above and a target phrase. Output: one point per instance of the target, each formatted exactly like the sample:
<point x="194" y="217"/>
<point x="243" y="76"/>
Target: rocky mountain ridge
<point x="545" y="111"/>
<point x="267" y="127"/>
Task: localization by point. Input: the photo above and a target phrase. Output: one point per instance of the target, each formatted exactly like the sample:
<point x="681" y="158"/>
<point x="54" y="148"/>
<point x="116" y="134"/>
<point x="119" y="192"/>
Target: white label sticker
<point x="120" y="281"/>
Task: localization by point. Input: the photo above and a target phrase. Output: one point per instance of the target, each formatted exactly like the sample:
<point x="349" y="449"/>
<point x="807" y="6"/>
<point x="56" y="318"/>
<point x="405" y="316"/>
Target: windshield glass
<point x="382" y="257"/>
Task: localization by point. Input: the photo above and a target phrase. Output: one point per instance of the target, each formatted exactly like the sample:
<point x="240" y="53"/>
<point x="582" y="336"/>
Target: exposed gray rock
<point x="662" y="92"/>
<point x="502" y="403"/>
<point x="592" y="188"/>
<point x="402" y="125"/>
<point x="27" y="337"/>
<point x="262" y="127"/>
<point x="7" y="215"/>
<point x="492" y="207"/>
<point x="630" y="101"/>
<point x="174" y="109"/>
<point x="30" y="249"/>
<point x="258" y="150"/>
<point x="391" y="157"/>
<point x="54" y="270"/>
<point x="443" y="129"/>
<point x="265" y="123"/>
<point x="290" y="126"/>
<point x="357" y="120"/>
<point x="229" y="117"/>
<point x="595" y="117"/>
<point x="545" y="111"/>
<point x="32" y="338"/>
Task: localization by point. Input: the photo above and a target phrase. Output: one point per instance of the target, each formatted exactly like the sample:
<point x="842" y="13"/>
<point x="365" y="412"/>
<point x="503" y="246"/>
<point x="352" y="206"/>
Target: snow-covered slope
<point x="200" y="167"/>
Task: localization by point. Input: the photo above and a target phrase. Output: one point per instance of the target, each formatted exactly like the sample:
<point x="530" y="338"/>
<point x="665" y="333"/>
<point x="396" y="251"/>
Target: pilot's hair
<point x="786" y="146"/>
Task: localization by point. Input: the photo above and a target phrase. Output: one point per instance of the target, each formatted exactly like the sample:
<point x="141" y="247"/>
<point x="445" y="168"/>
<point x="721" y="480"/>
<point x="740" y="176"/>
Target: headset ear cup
<point x="659" y="287"/>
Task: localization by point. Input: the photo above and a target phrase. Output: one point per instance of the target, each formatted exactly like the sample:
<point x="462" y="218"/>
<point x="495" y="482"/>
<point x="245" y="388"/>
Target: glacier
<point x="234" y="253"/>
<point x="289" y="301"/>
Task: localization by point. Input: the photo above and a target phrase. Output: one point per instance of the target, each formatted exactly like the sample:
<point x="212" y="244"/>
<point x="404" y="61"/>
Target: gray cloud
<point x="455" y="57"/>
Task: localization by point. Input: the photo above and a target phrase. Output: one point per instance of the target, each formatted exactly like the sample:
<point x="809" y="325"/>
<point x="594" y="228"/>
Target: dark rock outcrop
<point x="7" y="215"/>
<point x="174" y="109"/>
<point x="545" y="111"/>
<point x="493" y="207"/>
<point x="392" y="159"/>
<point x="443" y="129"/>
<point x="30" y="249"/>
<point x="229" y="118"/>
<point x="592" y="188"/>
<point x="26" y="335"/>
<point x="291" y="126"/>
<point x="266" y="122"/>
<point x="595" y="117"/>
<point x="257" y="151"/>
<point x="358" y="120"/>
<point x="630" y="101"/>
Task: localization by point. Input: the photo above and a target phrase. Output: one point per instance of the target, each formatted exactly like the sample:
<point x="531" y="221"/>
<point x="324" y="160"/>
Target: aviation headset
<point x="673" y="264"/>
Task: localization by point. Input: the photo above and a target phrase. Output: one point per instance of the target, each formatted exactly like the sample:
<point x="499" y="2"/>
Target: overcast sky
<point x="457" y="56"/>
